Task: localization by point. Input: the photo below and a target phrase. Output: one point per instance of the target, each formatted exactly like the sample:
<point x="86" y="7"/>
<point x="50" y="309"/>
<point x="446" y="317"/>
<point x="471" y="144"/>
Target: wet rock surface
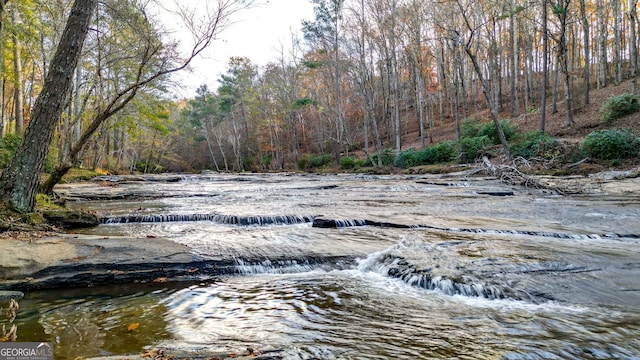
<point x="72" y="261"/>
<point x="60" y="261"/>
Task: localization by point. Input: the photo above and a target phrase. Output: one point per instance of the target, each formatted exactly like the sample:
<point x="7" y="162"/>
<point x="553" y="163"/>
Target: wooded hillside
<point x="366" y="77"/>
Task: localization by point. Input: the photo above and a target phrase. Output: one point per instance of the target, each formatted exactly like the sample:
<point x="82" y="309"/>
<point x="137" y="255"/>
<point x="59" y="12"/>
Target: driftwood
<point x="577" y="163"/>
<point x="511" y="175"/>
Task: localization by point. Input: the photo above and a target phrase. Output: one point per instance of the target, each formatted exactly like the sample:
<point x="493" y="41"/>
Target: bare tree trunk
<point x="2" y="124"/>
<point x="513" y="39"/>
<point x="602" y="44"/>
<point x="617" y="39"/>
<point x="456" y="87"/>
<point x="396" y="80"/>
<point x="556" y="84"/>
<point x="633" y="43"/>
<point x="529" y="82"/>
<point x="492" y="106"/>
<point x="545" y="67"/>
<point x="218" y="136"/>
<point x="420" y="85"/>
<point x="563" y="58"/>
<point x="486" y="89"/>
<point x="18" y="96"/>
<point x="363" y="77"/>
<point x="19" y="181"/>
<point x="338" y="98"/>
<point x="587" y="50"/>
<point x="207" y="137"/>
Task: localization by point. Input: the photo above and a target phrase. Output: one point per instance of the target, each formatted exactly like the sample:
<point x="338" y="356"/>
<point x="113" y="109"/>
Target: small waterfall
<point x="341" y="223"/>
<point x="257" y="220"/>
<point x="291" y="266"/>
<point x="397" y="267"/>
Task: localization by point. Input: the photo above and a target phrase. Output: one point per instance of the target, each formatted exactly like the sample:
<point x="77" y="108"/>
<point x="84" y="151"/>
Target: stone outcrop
<point x="69" y="219"/>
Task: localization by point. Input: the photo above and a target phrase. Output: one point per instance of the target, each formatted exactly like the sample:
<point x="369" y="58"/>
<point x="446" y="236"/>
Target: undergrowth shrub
<point x="611" y="144"/>
<point x="536" y="144"/>
<point x="406" y="159"/>
<point x="470" y="128"/>
<point x="470" y="148"/>
<point x="440" y="153"/>
<point x="348" y="162"/>
<point x="619" y="106"/>
<point x="313" y="161"/>
<point x="387" y="156"/>
<point x="489" y="129"/>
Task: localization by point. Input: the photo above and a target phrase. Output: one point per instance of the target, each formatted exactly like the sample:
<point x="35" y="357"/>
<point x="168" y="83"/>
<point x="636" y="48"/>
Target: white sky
<point x="257" y="33"/>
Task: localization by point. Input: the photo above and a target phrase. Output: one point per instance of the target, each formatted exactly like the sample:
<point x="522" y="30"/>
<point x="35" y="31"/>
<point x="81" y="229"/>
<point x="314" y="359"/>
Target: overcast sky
<point x="257" y="33"/>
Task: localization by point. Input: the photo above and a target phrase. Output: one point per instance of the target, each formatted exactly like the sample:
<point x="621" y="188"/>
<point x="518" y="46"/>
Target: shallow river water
<point x="531" y="275"/>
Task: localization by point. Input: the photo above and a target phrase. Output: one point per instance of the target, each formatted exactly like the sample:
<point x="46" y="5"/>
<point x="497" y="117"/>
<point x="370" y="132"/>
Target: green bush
<point x="313" y="161"/>
<point x="619" y="106"/>
<point x="470" y="148"/>
<point x="536" y="144"/>
<point x="489" y="130"/>
<point x="360" y="163"/>
<point x="436" y="154"/>
<point x="406" y="159"/>
<point x="387" y="155"/>
<point x="470" y="128"/>
<point x="439" y="153"/>
<point x="8" y="146"/>
<point x="611" y="144"/>
<point x="148" y="168"/>
<point x="266" y="160"/>
<point x="347" y="162"/>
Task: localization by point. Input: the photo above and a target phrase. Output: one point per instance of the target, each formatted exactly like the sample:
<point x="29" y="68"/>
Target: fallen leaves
<point x="133" y="326"/>
<point x="156" y="354"/>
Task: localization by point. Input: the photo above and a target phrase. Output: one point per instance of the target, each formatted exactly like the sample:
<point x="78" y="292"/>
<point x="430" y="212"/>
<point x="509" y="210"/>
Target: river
<point x="464" y="267"/>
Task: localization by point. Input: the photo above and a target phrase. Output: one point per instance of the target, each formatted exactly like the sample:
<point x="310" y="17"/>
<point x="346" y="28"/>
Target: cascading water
<point x="364" y="267"/>
<point x="216" y="218"/>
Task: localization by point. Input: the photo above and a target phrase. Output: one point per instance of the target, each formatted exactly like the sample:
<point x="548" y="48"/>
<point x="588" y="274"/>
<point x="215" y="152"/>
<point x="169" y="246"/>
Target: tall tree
<point x="561" y="10"/>
<point x="617" y="40"/>
<point x="19" y="181"/>
<point x="587" y="50"/>
<point x="486" y="87"/>
<point x="18" y="92"/>
<point x="545" y="66"/>
<point x="602" y="15"/>
<point x="326" y="30"/>
<point x="154" y="60"/>
<point x="513" y="40"/>
<point x="3" y="4"/>
<point x="633" y="43"/>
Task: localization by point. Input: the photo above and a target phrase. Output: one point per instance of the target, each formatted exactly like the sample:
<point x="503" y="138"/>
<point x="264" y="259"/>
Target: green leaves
<point x="611" y="144"/>
<point x="559" y="10"/>
<point x="300" y="103"/>
<point x="619" y="106"/>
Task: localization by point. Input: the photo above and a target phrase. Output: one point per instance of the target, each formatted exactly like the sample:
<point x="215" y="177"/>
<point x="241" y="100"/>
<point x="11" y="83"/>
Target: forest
<point x="364" y="82"/>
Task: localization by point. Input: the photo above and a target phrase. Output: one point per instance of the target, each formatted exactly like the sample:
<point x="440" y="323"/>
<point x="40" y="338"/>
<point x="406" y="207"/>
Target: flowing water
<point x="455" y="273"/>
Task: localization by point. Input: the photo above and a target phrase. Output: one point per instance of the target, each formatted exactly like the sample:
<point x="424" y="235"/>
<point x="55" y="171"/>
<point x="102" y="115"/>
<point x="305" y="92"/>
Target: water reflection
<point x="95" y="322"/>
